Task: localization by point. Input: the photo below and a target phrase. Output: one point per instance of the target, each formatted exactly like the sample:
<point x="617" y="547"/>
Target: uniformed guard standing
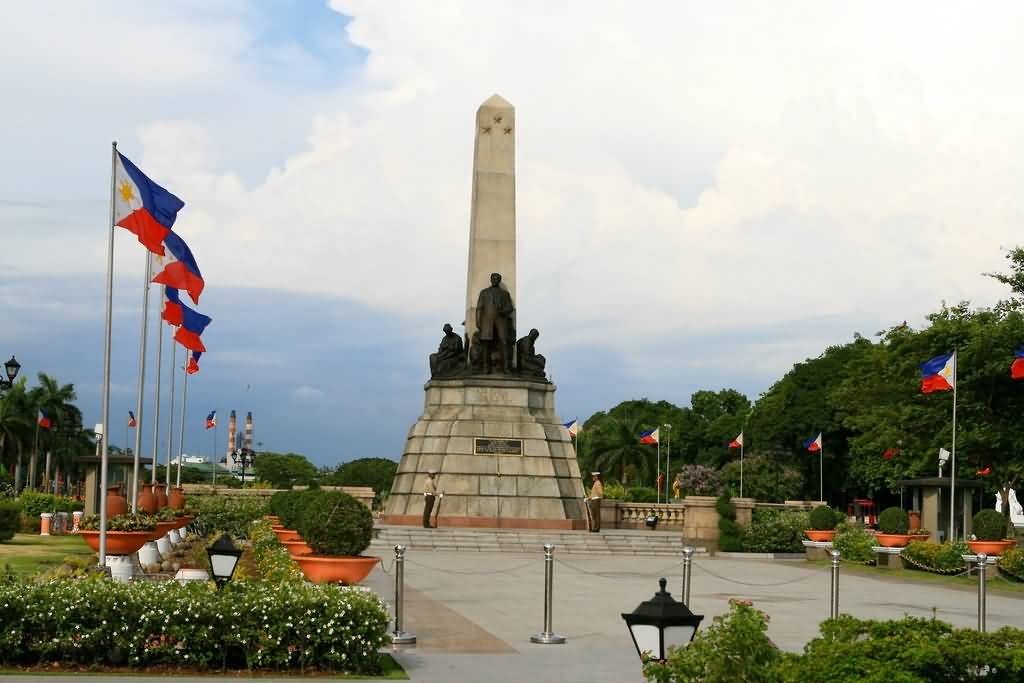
<point x="594" y="502"/>
<point x="429" y="495"/>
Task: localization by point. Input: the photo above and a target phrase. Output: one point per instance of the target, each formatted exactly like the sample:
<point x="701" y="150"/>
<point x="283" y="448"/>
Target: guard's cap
<point x="431" y="471"/>
<point x="595" y="474"/>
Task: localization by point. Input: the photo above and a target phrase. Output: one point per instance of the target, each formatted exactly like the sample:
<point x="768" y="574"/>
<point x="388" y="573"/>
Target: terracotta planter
<point x="893" y="540"/>
<point x="816" y="535"/>
<point x="297" y="548"/>
<point x="991" y="547"/>
<point x="273" y="519"/>
<point x="116" y="503"/>
<point x="146" y="500"/>
<point x="182" y="522"/>
<point x="177" y="499"/>
<point x="915" y="520"/>
<point x="118" y="542"/>
<point x="161" y="530"/>
<point x="918" y="536"/>
<point x="161" y="497"/>
<point x="287" y="535"/>
<point x="335" y="569"/>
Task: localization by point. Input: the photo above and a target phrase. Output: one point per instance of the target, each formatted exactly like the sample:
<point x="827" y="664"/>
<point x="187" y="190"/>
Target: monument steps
<point x="609" y="542"/>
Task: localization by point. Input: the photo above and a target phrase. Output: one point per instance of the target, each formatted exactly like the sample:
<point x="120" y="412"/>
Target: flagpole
<point x="742" y="439"/>
<point x="821" y="471"/>
<point x="952" y="467"/>
<point x="35" y="457"/>
<point x="213" y="455"/>
<point x="659" y="469"/>
<point x="105" y="410"/>
<point x="156" y="412"/>
<point x="170" y="421"/>
<point x="181" y="433"/>
<point x="139" y="405"/>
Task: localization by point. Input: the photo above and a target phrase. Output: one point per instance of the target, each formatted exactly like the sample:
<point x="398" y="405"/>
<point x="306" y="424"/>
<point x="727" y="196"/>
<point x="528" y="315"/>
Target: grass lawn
<point x="32" y="554"/>
<point x="993" y="582"/>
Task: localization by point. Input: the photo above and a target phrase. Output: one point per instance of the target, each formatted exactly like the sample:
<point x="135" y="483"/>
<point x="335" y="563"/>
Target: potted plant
<point x="990" y="533"/>
<point x="125" y="533"/>
<point x="893" y="525"/>
<point x="289" y="504"/>
<point x="166" y="520"/>
<point x="919" y="533"/>
<point x="338" y="528"/>
<point x="823" y="523"/>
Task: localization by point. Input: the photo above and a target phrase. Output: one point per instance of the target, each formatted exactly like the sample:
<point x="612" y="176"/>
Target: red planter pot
<point x="182" y="522"/>
<point x="816" y="535"/>
<point x="161" y="529"/>
<point x="991" y="547"/>
<point x="287" y="535"/>
<point x="893" y="540"/>
<point x="116" y="503"/>
<point x="161" y="497"/>
<point x="299" y="547"/>
<point x="146" y="500"/>
<point x="177" y="499"/>
<point x="118" y="542"/>
<point x="335" y="569"/>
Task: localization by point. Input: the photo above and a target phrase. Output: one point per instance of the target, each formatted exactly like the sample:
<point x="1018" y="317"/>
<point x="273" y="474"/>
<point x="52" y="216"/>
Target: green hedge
<point x="34" y="504"/>
<point x="231" y="514"/>
<point x="989" y="525"/>
<point x="938" y="558"/>
<point x="854" y="543"/>
<point x="10" y="519"/>
<point x="1011" y="563"/>
<point x="775" y="531"/>
<point x="247" y="624"/>
<point x="271" y="559"/>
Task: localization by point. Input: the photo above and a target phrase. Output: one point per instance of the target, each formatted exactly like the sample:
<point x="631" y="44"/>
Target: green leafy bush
<point x="730" y="533"/>
<point x="286" y="505"/>
<point x="945" y="558"/>
<point x="824" y="518"/>
<point x="989" y="525"/>
<point x="247" y="624"/>
<point x="126" y="522"/>
<point x="854" y="543"/>
<point x="775" y="531"/>
<point x="272" y="561"/>
<point x="377" y="473"/>
<point x="34" y="503"/>
<point x="893" y="520"/>
<point x="337" y="524"/>
<point x="231" y="514"/>
<point x="641" y="494"/>
<point x="734" y="648"/>
<point x="1011" y="563"/>
<point x="764" y="478"/>
<point x="613" y="490"/>
<point x="10" y="519"/>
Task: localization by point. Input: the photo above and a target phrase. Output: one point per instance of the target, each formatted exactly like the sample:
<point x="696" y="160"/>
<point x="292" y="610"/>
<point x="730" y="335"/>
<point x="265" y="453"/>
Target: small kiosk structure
<point x="930" y="495"/>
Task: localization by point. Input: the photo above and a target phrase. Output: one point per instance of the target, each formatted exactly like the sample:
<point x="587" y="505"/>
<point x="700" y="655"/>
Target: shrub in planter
<point x="286" y="505"/>
<point x="824" y="518"/>
<point x="10" y="519"/>
<point x="893" y="520"/>
<point x="989" y="525"/>
<point x="337" y="524"/>
<point x="854" y="543"/>
<point x="125" y="522"/>
<point x="230" y="514"/>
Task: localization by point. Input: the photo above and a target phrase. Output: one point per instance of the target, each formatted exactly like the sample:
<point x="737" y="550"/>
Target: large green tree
<point x="284" y="470"/>
<point x="377" y="473"/>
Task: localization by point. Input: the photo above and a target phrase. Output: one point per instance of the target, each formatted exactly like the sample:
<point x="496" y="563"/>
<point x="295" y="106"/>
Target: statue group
<point x="490" y="351"/>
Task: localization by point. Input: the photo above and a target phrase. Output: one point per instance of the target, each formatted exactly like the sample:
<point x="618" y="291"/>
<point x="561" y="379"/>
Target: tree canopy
<point x="284" y="470"/>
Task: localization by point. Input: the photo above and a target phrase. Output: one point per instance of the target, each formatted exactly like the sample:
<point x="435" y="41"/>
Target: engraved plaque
<point x="498" y="446"/>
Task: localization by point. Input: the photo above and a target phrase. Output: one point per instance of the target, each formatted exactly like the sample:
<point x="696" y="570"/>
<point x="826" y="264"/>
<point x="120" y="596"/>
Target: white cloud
<point x="308" y="393"/>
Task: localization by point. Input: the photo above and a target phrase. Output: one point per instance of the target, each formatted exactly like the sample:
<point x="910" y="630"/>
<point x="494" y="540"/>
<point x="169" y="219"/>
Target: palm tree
<point x="55" y="400"/>
<point x="15" y="427"/>
<point x="616" y="445"/>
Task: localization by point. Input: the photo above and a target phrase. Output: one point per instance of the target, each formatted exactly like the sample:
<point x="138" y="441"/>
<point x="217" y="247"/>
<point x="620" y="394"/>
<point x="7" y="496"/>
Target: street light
<point x="224" y="556"/>
<point x="244" y="455"/>
<point x="661" y="623"/>
<point x="11" y="367"/>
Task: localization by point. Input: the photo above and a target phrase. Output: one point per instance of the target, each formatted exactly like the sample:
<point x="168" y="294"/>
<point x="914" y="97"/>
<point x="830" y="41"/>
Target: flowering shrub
<point x="246" y="624"/>
<point x="775" y="531"/>
<point x="944" y="558"/>
<point x="699" y="480"/>
<point x="272" y="560"/>
<point x="230" y="514"/>
<point x="1011" y="563"/>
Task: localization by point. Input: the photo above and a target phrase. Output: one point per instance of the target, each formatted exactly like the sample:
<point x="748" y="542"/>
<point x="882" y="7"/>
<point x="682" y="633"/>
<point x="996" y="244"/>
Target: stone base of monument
<point x="504" y="458"/>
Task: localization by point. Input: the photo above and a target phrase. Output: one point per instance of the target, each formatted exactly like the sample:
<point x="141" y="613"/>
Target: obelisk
<point x="492" y="217"/>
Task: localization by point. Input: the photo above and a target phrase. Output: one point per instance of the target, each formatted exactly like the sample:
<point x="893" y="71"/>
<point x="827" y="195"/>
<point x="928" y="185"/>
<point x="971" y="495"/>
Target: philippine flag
<point x="737" y="442"/>
<point x="192" y="325"/>
<point x="193" y="363"/>
<point x="1017" y="369"/>
<point x="939" y="373"/>
<point x="131" y="419"/>
<point x="172" y="312"/>
<point x="44" y="419"/>
<point x="180" y="269"/>
<point x="573" y="427"/>
<point x="141" y="206"/>
<point x="211" y="419"/>
<point x="813" y="444"/>
<point x="650" y="436"/>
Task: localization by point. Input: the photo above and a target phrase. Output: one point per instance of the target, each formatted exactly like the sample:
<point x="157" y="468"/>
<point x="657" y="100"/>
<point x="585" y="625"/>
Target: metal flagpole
<point x="156" y="413"/>
<point x="821" y="470"/>
<point x="952" y="467"/>
<point x="659" y="469"/>
<point x="213" y="456"/>
<point x="170" y="421"/>
<point x="139" y="405"/>
<point x="668" y="459"/>
<point x="181" y="433"/>
<point x="106" y="365"/>
<point x="742" y="439"/>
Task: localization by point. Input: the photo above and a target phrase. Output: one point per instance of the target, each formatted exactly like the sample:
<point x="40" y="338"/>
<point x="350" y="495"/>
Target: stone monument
<point x="489" y="426"/>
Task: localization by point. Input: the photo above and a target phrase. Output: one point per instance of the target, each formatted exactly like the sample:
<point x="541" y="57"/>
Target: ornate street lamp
<point x="661" y="623"/>
<point x="224" y="556"/>
<point x="11" y="367"/>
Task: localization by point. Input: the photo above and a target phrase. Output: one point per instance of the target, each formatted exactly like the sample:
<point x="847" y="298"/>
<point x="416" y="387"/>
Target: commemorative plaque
<point x="498" y="446"/>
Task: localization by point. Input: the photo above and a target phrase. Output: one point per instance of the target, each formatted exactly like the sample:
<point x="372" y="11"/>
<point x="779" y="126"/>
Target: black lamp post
<point x="660" y="623"/>
<point x="224" y="556"/>
<point x="244" y="455"/>
<point x="11" y="367"/>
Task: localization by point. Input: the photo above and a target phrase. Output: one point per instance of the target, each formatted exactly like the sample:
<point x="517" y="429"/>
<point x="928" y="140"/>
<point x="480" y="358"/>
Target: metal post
<point x="982" y="561"/>
<point x="687" y="570"/>
<point x="399" y="636"/>
<point x="833" y="608"/>
<point x="548" y="637"/>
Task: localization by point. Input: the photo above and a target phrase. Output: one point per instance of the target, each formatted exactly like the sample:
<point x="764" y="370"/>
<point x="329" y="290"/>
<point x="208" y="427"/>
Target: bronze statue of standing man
<point x="494" y="321"/>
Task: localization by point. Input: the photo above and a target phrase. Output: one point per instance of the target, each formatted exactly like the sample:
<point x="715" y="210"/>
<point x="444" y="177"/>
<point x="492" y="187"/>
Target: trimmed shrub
<point x="824" y="518"/>
<point x="893" y="520"/>
<point x="125" y="522"/>
<point x="730" y="533"/>
<point x="231" y="514"/>
<point x="854" y="543"/>
<point x="944" y="558"/>
<point x="989" y="525"/>
<point x="775" y="531"/>
<point x="285" y="504"/>
<point x="34" y="504"/>
<point x="337" y="524"/>
<point x="641" y="494"/>
<point x="10" y="519"/>
<point x="1011" y="563"/>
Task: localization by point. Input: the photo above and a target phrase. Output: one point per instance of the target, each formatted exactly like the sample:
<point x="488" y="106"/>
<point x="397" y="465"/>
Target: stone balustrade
<point x="634" y="515"/>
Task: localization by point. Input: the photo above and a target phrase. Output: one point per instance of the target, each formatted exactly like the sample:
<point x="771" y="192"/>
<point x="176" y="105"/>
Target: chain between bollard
<point x="687" y="571"/>
<point x="982" y="561"/>
<point x="399" y="636"/>
<point x="833" y="607"/>
<point x="548" y="636"/>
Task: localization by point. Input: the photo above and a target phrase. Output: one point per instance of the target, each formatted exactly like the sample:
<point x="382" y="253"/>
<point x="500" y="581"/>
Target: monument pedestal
<point x="504" y="458"/>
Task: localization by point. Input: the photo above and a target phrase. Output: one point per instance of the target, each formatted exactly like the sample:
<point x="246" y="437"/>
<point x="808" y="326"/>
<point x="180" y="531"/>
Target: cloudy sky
<point x="707" y="193"/>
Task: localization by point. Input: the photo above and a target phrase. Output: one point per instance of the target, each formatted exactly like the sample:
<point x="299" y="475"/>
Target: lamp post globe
<point x="224" y="556"/>
<point x="660" y="623"/>
<point x="11" y="367"/>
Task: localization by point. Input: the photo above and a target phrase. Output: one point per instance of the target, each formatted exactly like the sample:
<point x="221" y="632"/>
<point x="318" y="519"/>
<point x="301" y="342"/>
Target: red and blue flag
<point x="939" y="374"/>
<point x="193" y="363"/>
<point x="650" y="436"/>
<point x="813" y="444"/>
<point x="44" y="419"/>
<point x="192" y="325"/>
<point x="1017" y="369"/>
<point x="211" y="420"/>
<point x="181" y="270"/>
<point x="131" y="419"/>
<point x="141" y="206"/>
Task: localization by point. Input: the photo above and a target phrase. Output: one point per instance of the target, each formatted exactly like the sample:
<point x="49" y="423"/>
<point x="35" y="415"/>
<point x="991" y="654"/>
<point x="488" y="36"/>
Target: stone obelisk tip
<point x="496" y="101"/>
